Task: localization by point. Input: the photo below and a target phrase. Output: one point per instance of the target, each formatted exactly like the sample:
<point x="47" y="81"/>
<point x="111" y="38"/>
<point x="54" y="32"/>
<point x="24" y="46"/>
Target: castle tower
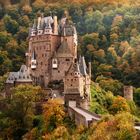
<point x="68" y="31"/>
<point x="61" y="61"/>
<point x="77" y="85"/>
<point x="73" y="90"/>
<point x="54" y="47"/>
<point x="87" y="82"/>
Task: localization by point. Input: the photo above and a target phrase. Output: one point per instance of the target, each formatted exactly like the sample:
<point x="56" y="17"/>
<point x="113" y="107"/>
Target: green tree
<point x="5" y="63"/>
<point x="137" y="96"/>
<point x="19" y="112"/>
<point x="11" y="25"/>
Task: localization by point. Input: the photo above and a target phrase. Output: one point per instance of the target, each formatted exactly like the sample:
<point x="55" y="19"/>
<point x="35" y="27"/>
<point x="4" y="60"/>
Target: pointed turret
<point x="83" y="67"/>
<point x="40" y="25"/>
<point x="34" y="28"/>
<point x="48" y="22"/>
<point x="33" y="61"/>
<point x="55" y="30"/>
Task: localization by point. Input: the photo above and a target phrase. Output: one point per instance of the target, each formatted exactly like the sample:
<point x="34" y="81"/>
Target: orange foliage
<point x="119" y="104"/>
<point x="53" y="108"/>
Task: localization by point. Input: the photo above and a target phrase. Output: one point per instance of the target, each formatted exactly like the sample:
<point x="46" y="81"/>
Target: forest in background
<point x="109" y="37"/>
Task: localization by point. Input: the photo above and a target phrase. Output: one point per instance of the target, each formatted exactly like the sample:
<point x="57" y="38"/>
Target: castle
<point x="52" y="56"/>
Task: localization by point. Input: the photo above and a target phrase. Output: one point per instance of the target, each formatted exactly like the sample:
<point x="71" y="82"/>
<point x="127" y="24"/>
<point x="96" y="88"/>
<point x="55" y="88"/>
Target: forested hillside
<point x="108" y="34"/>
<point x="109" y="37"/>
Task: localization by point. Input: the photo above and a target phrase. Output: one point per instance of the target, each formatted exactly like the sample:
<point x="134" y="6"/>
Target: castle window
<point x="71" y="85"/>
<point x="67" y="59"/>
<point x="71" y="79"/>
<point x="58" y="71"/>
<point x="54" y="63"/>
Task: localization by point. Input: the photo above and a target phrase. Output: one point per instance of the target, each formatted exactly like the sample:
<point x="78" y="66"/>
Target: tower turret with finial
<point x="40" y="25"/>
<point x="34" y="28"/>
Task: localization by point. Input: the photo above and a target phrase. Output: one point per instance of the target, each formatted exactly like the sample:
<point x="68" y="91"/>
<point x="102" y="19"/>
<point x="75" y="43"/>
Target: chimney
<point x="128" y="92"/>
<point x="55" y="25"/>
<point x="89" y="68"/>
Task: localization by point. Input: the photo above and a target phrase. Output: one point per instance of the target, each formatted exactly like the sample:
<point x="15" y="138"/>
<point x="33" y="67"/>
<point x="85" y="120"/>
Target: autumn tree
<point x="38" y="5"/>
<point x="120" y="126"/>
<point x="119" y="104"/>
<point x="54" y="114"/>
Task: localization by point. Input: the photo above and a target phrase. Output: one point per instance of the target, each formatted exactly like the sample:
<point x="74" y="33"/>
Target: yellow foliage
<point x="119" y="104"/>
<point x="120" y="126"/>
<point x="53" y="108"/>
<point x="27" y="9"/>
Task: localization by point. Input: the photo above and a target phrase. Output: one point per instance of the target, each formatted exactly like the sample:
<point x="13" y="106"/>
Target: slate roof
<point x="63" y="50"/>
<point x="82" y="66"/>
<point x="22" y="75"/>
<point x="79" y="67"/>
<point x="66" y="28"/>
<point x="74" y="67"/>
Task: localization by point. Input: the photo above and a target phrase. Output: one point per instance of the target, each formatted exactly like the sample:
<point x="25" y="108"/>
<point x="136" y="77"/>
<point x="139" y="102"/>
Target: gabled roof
<point x="63" y="50"/>
<point x="74" y="68"/>
<point x="22" y="75"/>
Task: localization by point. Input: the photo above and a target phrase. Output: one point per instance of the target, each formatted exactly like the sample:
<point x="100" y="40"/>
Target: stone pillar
<point x="128" y="92"/>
